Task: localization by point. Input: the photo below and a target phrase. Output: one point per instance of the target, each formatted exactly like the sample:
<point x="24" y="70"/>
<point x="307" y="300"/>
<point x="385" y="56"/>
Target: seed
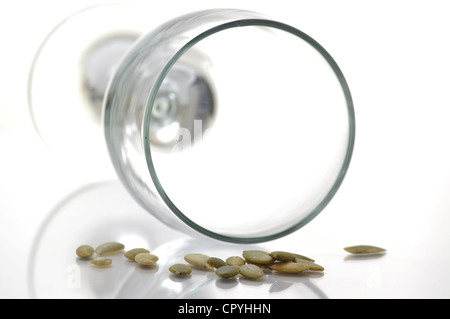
<point x="251" y="271"/>
<point x="311" y="265"/>
<point x="85" y="251"/>
<point x="227" y="271"/>
<point x="101" y="262"/>
<point x="109" y="248"/>
<point x="297" y="256"/>
<point x="257" y="257"/>
<point x="282" y="256"/>
<point x="235" y="261"/>
<point x="199" y="260"/>
<point x="180" y="269"/>
<point x="131" y="254"/>
<point x="260" y="266"/>
<point x="364" y="249"/>
<point x="289" y="267"/>
<point x="146" y="259"/>
<point x="215" y="262"/>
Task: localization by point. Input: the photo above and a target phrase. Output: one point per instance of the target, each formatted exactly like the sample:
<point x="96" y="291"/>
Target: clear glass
<point x="233" y="124"/>
<point x="223" y="123"/>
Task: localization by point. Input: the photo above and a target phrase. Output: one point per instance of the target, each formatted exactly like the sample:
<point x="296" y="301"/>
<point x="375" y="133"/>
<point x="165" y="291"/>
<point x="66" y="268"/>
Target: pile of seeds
<point x="140" y="255"/>
<point x="252" y="264"/>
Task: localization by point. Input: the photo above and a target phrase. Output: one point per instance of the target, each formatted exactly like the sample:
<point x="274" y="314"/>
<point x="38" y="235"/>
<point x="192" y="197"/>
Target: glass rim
<point x="263" y="22"/>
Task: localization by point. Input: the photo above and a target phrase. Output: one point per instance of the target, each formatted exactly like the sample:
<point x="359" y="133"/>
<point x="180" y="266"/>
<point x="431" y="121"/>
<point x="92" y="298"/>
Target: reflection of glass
<point x="240" y="126"/>
<point x="273" y="285"/>
<point x="68" y="79"/>
<point x="105" y="211"/>
<point x="92" y="215"/>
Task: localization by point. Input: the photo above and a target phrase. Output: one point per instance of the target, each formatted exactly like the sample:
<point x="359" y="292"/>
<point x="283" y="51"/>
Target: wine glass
<point x="223" y="122"/>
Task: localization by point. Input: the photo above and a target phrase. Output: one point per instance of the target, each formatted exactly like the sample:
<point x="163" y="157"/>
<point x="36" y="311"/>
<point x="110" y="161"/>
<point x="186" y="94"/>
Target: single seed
<point x="146" y="259"/>
<point x="227" y="271"/>
<point x="260" y="266"/>
<point x="311" y="265"/>
<point x="199" y="260"/>
<point x="235" y="261"/>
<point x="131" y="254"/>
<point x="101" y="262"/>
<point x="85" y="251"/>
<point x="282" y="256"/>
<point x="180" y="269"/>
<point x="215" y="262"/>
<point x="109" y="248"/>
<point x="251" y="271"/>
<point x="364" y="249"/>
<point x="289" y="267"/>
<point x="297" y="256"/>
<point x="258" y="257"/>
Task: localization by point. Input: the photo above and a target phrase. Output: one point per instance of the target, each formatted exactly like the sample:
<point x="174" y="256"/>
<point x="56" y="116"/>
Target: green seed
<point x="109" y="248"/>
<point x="215" y="262"/>
<point x="364" y="249"/>
<point x="282" y="256"/>
<point x="180" y="269"/>
<point x="227" y="271"/>
<point x="85" y="251"/>
<point x="101" y="262"/>
<point x="297" y="256"/>
<point x="251" y="271"/>
<point x="235" y="261"/>
<point x="311" y="265"/>
<point x="146" y="259"/>
<point x="289" y="267"/>
<point x="258" y="257"/>
<point x="199" y="260"/>
<point x="131" y="254"/>
<point x="260" y="266"/>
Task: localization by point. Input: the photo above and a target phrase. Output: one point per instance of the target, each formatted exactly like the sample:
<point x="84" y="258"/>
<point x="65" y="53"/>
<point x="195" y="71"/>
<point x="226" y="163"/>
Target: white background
<point x="395" y="57"/>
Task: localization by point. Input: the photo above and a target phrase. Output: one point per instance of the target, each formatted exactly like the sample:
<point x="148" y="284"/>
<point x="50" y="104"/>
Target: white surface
<point x="395" y="58"/>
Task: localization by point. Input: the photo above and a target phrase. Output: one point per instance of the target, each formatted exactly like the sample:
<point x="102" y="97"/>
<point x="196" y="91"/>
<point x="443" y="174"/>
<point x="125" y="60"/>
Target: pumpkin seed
<point x="109" y="248"/>
<point x="180" y="269"/>
<point x="289" y="267"/>
<point x="311" y="265"/>
<point x="258" y="257"/>
<point x="251" y="271"/>
<point x="101" y="262"/>
<point x="131" y="254"/>
<point x="364" y="249"/>
<point x="282" y="256"/>
<point x="260" y="266"/>
<point x="297" y="256"/>
<point x="227" y="271"/>
<point x="235" y="261"/>
<point x="199" y="260"/>
<point x="85" y="251"/>
<point x="146" y="259"/>
<point x="215" y="262"/>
